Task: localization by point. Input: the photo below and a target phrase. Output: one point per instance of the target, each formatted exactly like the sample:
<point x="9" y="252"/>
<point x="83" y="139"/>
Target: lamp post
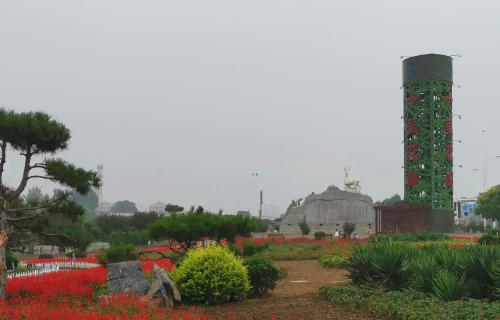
<point x="485" y="174"/>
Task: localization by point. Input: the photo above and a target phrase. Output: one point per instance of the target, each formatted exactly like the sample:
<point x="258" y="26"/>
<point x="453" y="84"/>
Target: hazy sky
<point x="182" y="100"/>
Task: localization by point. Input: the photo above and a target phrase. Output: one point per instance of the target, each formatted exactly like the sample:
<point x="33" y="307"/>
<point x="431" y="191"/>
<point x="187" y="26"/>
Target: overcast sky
<point x="183" y="100"/>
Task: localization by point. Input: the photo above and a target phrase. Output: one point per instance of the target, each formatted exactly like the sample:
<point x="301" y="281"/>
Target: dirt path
<point x="295" y="298"/>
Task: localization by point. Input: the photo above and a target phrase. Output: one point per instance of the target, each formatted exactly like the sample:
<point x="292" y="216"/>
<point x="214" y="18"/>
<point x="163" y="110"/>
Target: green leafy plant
<point x="120" y="253"/>
<point x="450" y="287"/>
<point x="421" y="236"/>
<point x="11" y="260"/>
<point x="349" y="227"/>
<point x="319" y="235"/>
<point x="235" y="249"/>
<point x="304" y="227"/>
<point x="408" y="305"/>
<point x="211" y="275"/>
<point x="282" y="273"/>
<point x="250" y="248"/>
<point x="45" y="256"/>
<point x="263" y="275"/>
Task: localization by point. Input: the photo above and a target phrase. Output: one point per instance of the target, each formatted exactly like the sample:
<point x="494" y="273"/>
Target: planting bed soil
<point x="295" y="297"/>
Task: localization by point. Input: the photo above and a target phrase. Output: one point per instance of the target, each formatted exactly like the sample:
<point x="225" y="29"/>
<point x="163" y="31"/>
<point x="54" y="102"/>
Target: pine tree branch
<point x="142" y="254"/>
<point x="43" y="206"/>
<point x="54" y="235"/>
<point x="42" y="177"/>
<point x="24" y="181"/>
<point x="29" y="217"/>
<point x="39" y="166"/>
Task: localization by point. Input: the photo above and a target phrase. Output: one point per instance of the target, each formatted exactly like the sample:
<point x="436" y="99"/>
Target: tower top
<point x="428" y="67"/>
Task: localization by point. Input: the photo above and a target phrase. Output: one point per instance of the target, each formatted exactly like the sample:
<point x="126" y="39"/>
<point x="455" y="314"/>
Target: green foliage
<point x="334" y="261"/>
<point x="135" y="237"/>
<point x="181" y="259"/>
<point x="422" y="236"/>
<point x="120" y="253"/>
<point x="89" y="201"/>
<point x="319" y="235"/>
<point x="450" y="287"/>
<point x="34" y="193"/>
<point x="250" y="248"/>
<point x="211" y="275"/>
<point x="488" y="203"/>
<point x="173" y="208"/>
<point x="78" y="254"/>
<point x="76" y="232"/>
<point x="489" y="239"/>
<point x="304" y="227"/>
<point x="236" y="250"/>
<point x="390" y="201"/>
<point x="194" y="225"/>
<point x="124" y="206"/>
<point x="440" y="270"/>
<point x="263" y="275"/>
<point x="264" y="225"/>
<point x="492" y="237"/>
<point x="11" y="260"/>
<point x="45" y="256"/>
<point x="348" y="227"/>
<point x="139" y="221"/>
<point x="407" y="305"/>
<point x="282" y="273"/>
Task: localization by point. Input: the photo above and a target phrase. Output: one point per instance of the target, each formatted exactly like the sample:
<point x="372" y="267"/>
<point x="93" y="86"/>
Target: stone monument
<point x="327" y="211"/>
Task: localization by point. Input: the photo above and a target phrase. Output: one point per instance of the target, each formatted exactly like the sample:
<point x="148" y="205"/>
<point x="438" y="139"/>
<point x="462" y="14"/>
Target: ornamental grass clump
<point x="211" y="275"/>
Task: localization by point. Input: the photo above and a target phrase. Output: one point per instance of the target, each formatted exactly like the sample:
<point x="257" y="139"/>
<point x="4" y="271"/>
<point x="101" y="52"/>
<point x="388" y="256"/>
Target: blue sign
<point x="468" y="208"/>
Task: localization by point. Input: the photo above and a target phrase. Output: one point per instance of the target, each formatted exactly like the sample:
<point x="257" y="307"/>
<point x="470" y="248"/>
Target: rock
<point x="163" y="288"/>
<point x="124" y="277"/>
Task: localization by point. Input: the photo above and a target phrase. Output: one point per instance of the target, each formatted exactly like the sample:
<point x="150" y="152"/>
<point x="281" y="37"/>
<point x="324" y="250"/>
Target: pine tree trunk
<point x="3" y="276"/>
<point x="3" y="227"/>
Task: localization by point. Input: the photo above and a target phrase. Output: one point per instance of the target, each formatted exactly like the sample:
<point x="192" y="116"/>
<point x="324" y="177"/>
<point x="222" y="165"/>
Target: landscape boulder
<point x="124" y="277"/>
<point x="163" y="288"/>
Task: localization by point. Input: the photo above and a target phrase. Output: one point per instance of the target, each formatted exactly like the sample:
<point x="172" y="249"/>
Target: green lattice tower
<point x="428" y="130"/>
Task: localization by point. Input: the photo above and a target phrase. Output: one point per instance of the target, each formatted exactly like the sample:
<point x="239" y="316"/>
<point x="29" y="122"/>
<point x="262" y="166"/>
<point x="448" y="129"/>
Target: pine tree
<point x="38" y="137"/>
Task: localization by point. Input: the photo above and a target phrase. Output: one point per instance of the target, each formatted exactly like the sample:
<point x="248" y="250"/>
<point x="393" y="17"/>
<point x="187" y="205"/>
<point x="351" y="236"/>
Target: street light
<point x="484" y="177"/>
<point x="484" y="169"/>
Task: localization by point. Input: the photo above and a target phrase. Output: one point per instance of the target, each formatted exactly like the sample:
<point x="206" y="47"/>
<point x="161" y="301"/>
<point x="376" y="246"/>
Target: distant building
<point x="104" y="208"/>
<point x="158" y="207"/>
<point x="243" y="213"/>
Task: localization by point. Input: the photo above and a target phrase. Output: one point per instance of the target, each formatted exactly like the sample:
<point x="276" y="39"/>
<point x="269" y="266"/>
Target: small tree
<point x="173" y="208"/>
<point x="37" y="136"/>
<point x="124" y="206"/>
<point x="194" y="225"/>
<point x="488" y="204"/>
<point x="304" y="227"/>
<point x="349" y="227"/>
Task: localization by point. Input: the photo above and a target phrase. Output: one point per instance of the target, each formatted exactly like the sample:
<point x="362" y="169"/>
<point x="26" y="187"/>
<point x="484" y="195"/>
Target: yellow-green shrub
<point x="211" y="275"/>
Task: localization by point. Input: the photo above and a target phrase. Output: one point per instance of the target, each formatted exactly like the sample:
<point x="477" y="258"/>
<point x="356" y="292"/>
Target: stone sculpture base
<point x="329" y="210"/>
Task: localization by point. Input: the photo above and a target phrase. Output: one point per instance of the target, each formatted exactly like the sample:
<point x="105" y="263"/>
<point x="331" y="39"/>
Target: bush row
<point x="450" y="273"/>
<point x="410" y="237"/>
<point x="409" y="305"/>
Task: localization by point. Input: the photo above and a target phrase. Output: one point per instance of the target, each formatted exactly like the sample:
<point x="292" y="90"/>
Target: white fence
<point x="50" y="267"/>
